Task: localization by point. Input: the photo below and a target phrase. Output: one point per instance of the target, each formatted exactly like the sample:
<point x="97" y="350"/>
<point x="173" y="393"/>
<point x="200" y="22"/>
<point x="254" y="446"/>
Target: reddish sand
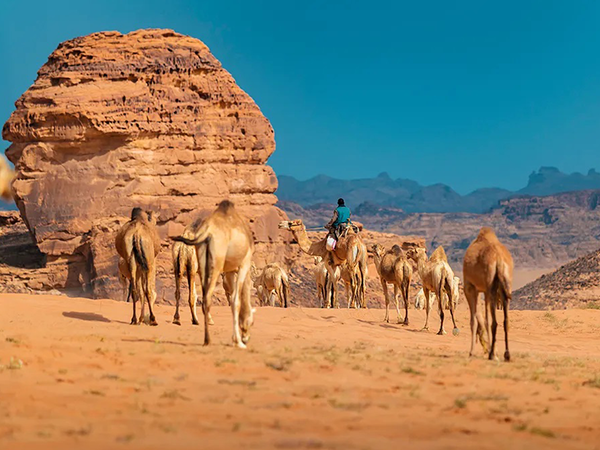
<point x="309" y="379"/>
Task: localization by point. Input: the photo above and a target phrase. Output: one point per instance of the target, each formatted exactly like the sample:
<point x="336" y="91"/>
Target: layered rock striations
<point x="148" y="119"/>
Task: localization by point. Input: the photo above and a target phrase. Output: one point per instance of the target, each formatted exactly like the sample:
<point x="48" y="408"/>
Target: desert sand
<point x="75" y="374"/>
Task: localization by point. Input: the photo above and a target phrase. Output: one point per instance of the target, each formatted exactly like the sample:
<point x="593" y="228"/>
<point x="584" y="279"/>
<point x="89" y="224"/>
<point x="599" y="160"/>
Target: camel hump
<point x="487" y="233"/>
<point x="136" y="213"/>
<point x="396" y="250"/>
<point x="225" y="206"/>
<point x="439" y="255"/>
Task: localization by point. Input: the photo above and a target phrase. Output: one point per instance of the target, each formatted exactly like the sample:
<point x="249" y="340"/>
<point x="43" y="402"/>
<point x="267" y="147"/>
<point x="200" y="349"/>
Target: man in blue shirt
<point x="340" y="219"/>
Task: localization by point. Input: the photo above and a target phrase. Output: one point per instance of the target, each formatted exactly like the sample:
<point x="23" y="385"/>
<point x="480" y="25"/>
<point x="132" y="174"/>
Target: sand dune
<point x="310" y="379"/>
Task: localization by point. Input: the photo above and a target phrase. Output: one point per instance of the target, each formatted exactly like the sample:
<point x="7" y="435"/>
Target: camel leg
<point x="492" y="305"/>
<point x="405" y="297"/>
<point x="441" y="306"/>
<point x="387" y="301"/>
<point x="451" y="299"/>
<point x="176" y="320"/>
<point x="151" y="296"/>
<point x="193" y="297"/>
<point x="471" y="294"/>
<point x="427" y="307"/>
<point x="236" y="301"/>
<point x="397" y="302"/>
<point x="505" y="307"/>
<point x="209" y="288"/>
<point x="142" y="298"/>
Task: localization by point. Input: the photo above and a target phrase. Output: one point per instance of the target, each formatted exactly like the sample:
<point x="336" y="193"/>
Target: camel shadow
<point x="90" y="317"/>
<point x="153" y="341"/>
<point x="382" y="324"/>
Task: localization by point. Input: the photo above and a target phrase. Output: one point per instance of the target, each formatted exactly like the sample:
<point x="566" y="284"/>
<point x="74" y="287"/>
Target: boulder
<point x="149" y="119"/>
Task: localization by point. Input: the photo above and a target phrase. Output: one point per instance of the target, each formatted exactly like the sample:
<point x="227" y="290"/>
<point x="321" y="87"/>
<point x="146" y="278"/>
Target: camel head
<point x="246" y="322"/>
<point x="416" y="253"/>
<point x="291" y="225"/>
<point x="377" y="250"/>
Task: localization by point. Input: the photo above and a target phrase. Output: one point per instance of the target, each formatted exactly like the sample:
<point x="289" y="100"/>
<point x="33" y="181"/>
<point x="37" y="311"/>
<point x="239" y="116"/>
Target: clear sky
<point x="467" y="93"/>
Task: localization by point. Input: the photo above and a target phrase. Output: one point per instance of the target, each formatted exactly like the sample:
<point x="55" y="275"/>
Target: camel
<point x="393" y="267"/>
<point x="185" y="262"/>
<point x="436" y="276"/>
<point x="322" y="280"/>
<point x="488" y="268"/>
<point x="138" y="244"/>
<point x="7" y="175"/>
<point x="420" y="298"/>
<point x="273" y="281"/>
<point x="229" y="248"/>
<point x="348" y="249"/>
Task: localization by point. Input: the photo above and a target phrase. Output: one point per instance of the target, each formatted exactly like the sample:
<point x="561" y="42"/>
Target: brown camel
<point x="138" y="244"/>
<point x="488" y="268"/>
<point x="229" y="247"/>
<point x="348" y="250"/>
<point x="436" y="276"/>
<point x="393" y="268"/>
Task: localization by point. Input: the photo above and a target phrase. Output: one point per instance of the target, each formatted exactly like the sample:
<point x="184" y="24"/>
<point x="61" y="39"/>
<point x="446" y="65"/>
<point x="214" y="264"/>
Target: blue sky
<point x="467" y="93"/>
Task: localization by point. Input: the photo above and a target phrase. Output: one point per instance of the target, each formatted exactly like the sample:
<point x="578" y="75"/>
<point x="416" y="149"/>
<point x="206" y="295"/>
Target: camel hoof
<point x="425" y="329"/>
<point x="506" y="356"/>
<point x="441" y="332"/>
<point x="240" y="345"/>
<point x="211" y="322"/>
<point x="153" y="323"/>
<point x="455" y="332"/>
<point x="133" y="321"/>
<point x="176" y="322"/>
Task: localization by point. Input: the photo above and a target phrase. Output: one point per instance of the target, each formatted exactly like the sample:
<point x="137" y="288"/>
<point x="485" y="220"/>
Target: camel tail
<point x="191" y="238"/>
<point x="501" y="285"/>
<point x="138" y="253"/>
<point x="209" y="263"/>
<point x="448" y="281"/>
<point x="406" y="280"/>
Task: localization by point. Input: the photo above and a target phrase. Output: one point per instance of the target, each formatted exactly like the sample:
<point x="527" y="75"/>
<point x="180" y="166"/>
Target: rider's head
<point x="341" y="202"/>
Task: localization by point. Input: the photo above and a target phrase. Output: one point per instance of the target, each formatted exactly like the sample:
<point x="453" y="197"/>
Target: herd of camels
<point x="221" y="246"/>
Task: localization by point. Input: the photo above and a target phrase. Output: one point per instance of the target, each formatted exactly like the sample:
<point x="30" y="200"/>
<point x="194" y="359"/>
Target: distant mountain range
<point x="410" y="196"/>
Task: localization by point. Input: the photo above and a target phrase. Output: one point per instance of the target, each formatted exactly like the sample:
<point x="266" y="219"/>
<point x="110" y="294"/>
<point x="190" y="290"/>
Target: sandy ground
<point x="75" y="374"/>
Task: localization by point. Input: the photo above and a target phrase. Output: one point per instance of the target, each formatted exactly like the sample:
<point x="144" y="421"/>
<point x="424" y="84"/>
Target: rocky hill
<point x="541" y="232"/>
<point x="576" y="284"/>
<point x="410" y="196"/>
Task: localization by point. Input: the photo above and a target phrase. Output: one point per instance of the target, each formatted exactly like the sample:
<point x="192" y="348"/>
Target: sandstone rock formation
<point x="148" y="119"/>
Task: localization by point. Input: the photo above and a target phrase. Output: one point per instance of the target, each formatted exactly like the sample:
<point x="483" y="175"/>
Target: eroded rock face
<point x="146" y="119"/>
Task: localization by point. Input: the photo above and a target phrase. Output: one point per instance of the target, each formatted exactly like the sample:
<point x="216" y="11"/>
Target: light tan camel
<point x="420" y="298"/>
<point x="322" y="281"/>
<point x="488" y="268"/>
<point x="436" y="276"/>
<point x="275" y="283"/>
<point x="229" y="248"/>
<point x="393" y="268"/>
<point x="138" y="243"/>
<point x="185" y="263"/>
<point x="347" y="250"/>
<point x="7" y="176"/>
